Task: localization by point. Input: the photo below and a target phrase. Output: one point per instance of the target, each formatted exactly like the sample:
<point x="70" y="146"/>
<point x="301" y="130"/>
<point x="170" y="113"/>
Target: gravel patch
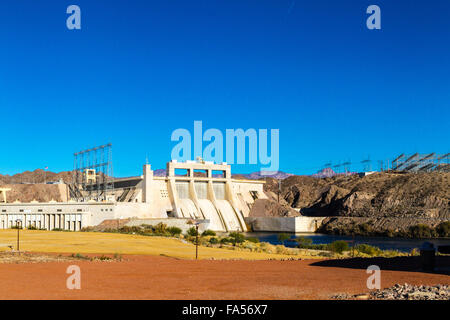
<point x="402" y="292"/>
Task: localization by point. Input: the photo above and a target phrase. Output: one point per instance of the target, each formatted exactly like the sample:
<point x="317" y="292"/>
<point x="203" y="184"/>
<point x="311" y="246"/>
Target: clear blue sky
<point x="137" y="70"/>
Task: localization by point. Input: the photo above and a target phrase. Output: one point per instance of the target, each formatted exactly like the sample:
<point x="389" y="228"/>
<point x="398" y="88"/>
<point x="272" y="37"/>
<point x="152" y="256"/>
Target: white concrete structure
<point x="285" y="224"/>
<point x="206" y="192"/>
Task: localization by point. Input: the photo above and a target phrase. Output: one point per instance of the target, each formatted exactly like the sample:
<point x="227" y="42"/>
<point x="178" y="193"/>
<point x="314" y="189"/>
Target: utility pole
<point x="196" y="242"/>
<point x="18" y="222"/>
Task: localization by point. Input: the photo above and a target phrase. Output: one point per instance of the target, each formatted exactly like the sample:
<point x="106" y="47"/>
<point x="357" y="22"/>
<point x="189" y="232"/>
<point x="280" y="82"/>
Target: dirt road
<point x="153" y="277"/>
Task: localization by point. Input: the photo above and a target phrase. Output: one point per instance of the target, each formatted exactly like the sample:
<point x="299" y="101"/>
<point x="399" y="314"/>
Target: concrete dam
<point x="207" y="192"/>
<point x="191" y="190"/>
<point x="208" y="200"/>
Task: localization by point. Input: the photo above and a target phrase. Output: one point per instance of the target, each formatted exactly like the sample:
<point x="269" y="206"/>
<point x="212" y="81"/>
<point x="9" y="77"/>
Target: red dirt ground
<point x="152" y="277"/>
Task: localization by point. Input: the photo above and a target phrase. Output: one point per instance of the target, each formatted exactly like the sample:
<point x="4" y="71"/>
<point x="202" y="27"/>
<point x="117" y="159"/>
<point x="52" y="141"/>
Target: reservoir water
<point x="384" y="243"/>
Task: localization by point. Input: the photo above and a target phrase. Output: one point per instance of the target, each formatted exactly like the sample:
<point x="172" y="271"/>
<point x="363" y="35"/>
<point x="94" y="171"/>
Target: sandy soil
<point x="153" y="277"/>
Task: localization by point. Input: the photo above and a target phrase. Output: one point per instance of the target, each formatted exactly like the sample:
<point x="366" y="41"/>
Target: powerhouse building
<point x="204" y="192"/>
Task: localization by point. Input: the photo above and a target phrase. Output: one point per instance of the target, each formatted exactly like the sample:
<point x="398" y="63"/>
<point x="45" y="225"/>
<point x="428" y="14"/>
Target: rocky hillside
<point x="36" y="176"/>
<point x="29" y="186"/>
<point x="384" y="202"/>
<point x="36" y="192"/>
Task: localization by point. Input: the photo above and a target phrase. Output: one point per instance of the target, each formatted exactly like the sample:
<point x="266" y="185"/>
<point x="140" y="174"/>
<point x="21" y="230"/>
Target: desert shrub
<point x="282" y="237"/>
<point x="367" y="249"/>
<point x="302" y="241"/>
<point x="364" y="229"/>
<point x="443" y="229"/>
<point x="213" y="240"/>
<point x="236" y="237"/>
<point x="326" y="254"/>
<point x="421" y="231"/>
<point x="281" y="250"/>
<point x="192" y="232"/>
<point x="57" y="229"/>
<point x="174" y="231"/>
<point x="160" y="228"/>
<point x="338" y="246"/>
<point x="80" y="256"/>
<point x="208" y="233"/>
<point x="388" y="233"/>
<point x="32" y="228"/>
<point x="252" y="239"/>
<point x="264" y="245"/>
<point x="226" y="240"/>
<point x="127" y="229"/>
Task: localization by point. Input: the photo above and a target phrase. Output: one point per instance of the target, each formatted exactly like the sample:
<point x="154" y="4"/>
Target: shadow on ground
<point x="412" y="264"/>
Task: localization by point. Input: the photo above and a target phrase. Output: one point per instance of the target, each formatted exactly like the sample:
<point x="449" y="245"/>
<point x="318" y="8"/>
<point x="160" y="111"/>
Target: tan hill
<point x="36" y="176"/>
<point x="36" y="192"/>
<point x="29" y="185"/>
<point x="384" y="202"/>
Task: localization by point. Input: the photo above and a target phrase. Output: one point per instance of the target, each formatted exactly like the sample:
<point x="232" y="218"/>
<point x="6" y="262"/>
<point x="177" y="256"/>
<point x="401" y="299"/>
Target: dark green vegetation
<point x="420" y="231"/>
<point x="341" y="246"/>
<point x="159" y="229"/>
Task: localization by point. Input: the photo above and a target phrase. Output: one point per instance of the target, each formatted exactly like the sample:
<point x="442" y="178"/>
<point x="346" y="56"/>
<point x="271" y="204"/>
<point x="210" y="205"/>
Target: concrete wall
<point x="284" y="224"/>
<point x="242" y="193"/>
<point x="66" y="216"/>
<point x="123" y="210"/>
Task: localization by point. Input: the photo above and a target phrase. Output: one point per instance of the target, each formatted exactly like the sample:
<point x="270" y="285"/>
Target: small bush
<point x="174" y="231"/>
<point x="281" y="250"/>
<point x="214" y="240"/>
<point x="338" y="246"/>
<point x="367" y="249"/>
<point x="57" y="229"/>
<point x="160" y="228"/>
<point x="208" y="233"/>
<point x="132" y="230"/>
<point x="192" y="232"/>
<point x="282" y="237"/>
<point x="302" y="241"/>
<point x="80" y="256"/>
<point x="364" y="229"/>
<point x="421" y="231"/>
<point x="443" y="229"/>
<point x="237" y="237"/>
<point x="226" y="240"/>
<point x="252" y="239"/>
